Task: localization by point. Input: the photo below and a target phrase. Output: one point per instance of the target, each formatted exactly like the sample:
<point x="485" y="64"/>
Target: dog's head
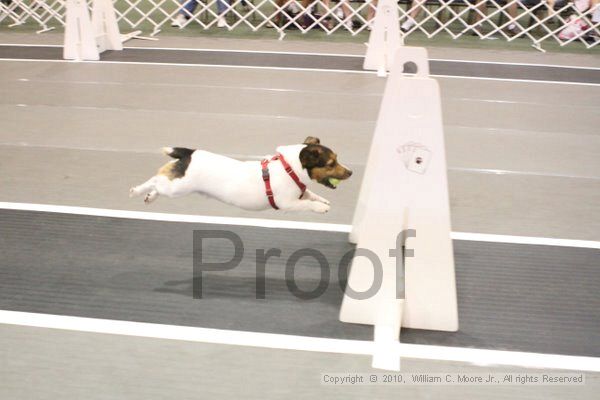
<point x="321" y="163"/>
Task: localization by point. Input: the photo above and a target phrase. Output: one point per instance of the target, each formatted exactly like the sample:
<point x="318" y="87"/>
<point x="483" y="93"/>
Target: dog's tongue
<point x="334" y="182"/>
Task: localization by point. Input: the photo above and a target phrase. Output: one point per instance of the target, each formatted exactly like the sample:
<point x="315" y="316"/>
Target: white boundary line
<point x="541" y="241"/>
<point x="516" y="64"/>
<point x="302" y="53"/>
<point x="482" y="78"/>
<point x="346" y="71"/>
<point x="509" y="172"/>
<point x="199" y="219"/>
<point x="258" y="157"/>
<point x="300" y="343"/>
<point x="299" y="53"/>
<point x="280" y="224"/>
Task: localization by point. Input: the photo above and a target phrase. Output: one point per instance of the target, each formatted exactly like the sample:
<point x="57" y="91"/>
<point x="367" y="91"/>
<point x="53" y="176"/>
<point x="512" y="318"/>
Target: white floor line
<point x="293" y="53"/>
<point x="542" y="241"/>
<point x="280" y="224"/>
<point x="188" y="86"/>
<point x="255" y="157"/>
<point x="197" y="65"/>
<point x="516" y="80"/>
<point x="301" y="343"/>
<point x="527" y="173"/>
<point x="151" y="216"/>
<point x="224" y="114"/>
<point x="293" y="69"/>
<point x="247" y="157"/>
<point x="516" y="63"/>
<point x="302" y="53"/>
<point x="299" y="53"/>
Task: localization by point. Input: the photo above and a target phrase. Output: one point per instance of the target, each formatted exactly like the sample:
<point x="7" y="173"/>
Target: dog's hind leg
<point x="144" y="188"/>
<point x="172" y="188"/>
<point x="159" y="184"/>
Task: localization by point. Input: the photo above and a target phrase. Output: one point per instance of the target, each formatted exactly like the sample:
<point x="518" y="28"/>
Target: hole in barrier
<point x="410" y="68"/>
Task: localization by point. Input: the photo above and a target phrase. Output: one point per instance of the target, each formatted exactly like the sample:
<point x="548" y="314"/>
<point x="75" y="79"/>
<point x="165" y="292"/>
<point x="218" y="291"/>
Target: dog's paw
<point x="150" y="197"/>
<point x="324" y="200"/>
<point x="133" y="192"/>
<point x="319" y="207"/>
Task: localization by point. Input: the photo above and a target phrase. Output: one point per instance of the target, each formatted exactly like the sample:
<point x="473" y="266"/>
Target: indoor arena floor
<point x="522" y="141"/>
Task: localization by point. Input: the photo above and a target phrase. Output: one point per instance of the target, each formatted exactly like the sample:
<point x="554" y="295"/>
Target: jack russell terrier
<point x="277" y="182"/>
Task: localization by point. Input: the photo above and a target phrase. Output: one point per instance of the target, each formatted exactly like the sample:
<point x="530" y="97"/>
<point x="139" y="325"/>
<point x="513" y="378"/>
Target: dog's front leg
<point x="306" y="205"/>
<point x="308" y="195"/>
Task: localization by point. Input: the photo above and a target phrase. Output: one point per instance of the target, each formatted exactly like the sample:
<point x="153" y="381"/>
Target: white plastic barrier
<point x="384" y="39"/>
<point x="104" y="20"/>
<point x="404" y="187"/>
<point x="85" y="39"/>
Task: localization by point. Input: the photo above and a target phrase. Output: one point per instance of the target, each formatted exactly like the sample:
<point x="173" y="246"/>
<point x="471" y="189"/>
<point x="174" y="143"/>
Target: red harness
<point x="267" y="177"/>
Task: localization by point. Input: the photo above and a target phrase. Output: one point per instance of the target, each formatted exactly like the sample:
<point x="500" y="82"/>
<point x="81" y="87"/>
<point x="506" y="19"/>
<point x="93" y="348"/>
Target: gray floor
<point x="543" y="146"/>
<point x="522" y="161"/>
<point x="49" y="364"/>
<point x="313" y="62"/>
<point x="538" y="299"/>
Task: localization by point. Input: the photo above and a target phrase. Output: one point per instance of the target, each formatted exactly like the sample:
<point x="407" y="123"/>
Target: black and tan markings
<point x="176" y="168"/>
<point x="321" y="163"/>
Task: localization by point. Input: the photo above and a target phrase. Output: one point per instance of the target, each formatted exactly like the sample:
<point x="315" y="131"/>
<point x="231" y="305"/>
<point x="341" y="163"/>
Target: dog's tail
<point x="177" y="152"/>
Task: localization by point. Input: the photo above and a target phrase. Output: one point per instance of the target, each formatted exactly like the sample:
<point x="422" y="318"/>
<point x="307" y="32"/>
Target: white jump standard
<point x="404" y="188"/>
<point x="85" y="39"/>
<point x="384" y="39"/>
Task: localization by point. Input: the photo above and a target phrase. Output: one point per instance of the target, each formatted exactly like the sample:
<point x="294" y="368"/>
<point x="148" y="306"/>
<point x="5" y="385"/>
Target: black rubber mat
<point x="516" y="297"/>
<point x="308" y="61"/>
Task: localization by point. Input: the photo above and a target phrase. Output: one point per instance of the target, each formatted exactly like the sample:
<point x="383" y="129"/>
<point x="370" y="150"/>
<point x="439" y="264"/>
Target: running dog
<point x="277" y="182"/>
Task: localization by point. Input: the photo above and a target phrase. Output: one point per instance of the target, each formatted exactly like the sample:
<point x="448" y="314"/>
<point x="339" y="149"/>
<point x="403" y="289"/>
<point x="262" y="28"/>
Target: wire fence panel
<point x="538" y="21"/>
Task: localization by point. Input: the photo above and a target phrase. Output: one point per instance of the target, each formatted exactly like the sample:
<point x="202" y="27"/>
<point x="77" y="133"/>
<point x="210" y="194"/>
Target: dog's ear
<point x="312" y="140"/>
<point x="310" y="156"/>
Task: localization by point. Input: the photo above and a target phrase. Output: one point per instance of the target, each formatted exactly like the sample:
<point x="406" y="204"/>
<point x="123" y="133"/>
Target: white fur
<point x="238" y="183"/>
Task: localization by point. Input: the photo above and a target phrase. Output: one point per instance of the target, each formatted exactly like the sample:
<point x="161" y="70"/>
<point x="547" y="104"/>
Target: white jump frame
<point x="85" y="38"/>
<point x="403" y="201"/>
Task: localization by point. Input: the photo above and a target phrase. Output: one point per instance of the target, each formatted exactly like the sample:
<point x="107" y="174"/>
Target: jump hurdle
<point x="403" y="218"/>
<point x="85" y="39"/>
<point x="384" y="39"/>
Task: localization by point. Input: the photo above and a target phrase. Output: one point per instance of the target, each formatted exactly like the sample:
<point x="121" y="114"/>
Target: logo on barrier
<point x="415" y="156"/>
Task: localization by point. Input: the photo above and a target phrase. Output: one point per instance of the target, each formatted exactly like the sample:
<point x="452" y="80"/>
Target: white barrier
<point x="384" y="39"/>
<point x="80" y="39"/>
<point x="104" y="20"/>
<point x="404" y="187"/>
<point x="85" y="39"/>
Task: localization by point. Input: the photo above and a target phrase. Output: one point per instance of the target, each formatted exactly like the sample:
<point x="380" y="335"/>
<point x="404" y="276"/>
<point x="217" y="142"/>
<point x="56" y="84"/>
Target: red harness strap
<point x="267" y="177"/>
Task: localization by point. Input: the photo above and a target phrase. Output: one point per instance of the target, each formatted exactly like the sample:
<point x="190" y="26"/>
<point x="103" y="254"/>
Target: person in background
<point x="371" y="13"/>
<point x="188" y="9"/>
<point x="577" y="27"/>
<point x="481" y="6"/>
<point x="306" y="20"/>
